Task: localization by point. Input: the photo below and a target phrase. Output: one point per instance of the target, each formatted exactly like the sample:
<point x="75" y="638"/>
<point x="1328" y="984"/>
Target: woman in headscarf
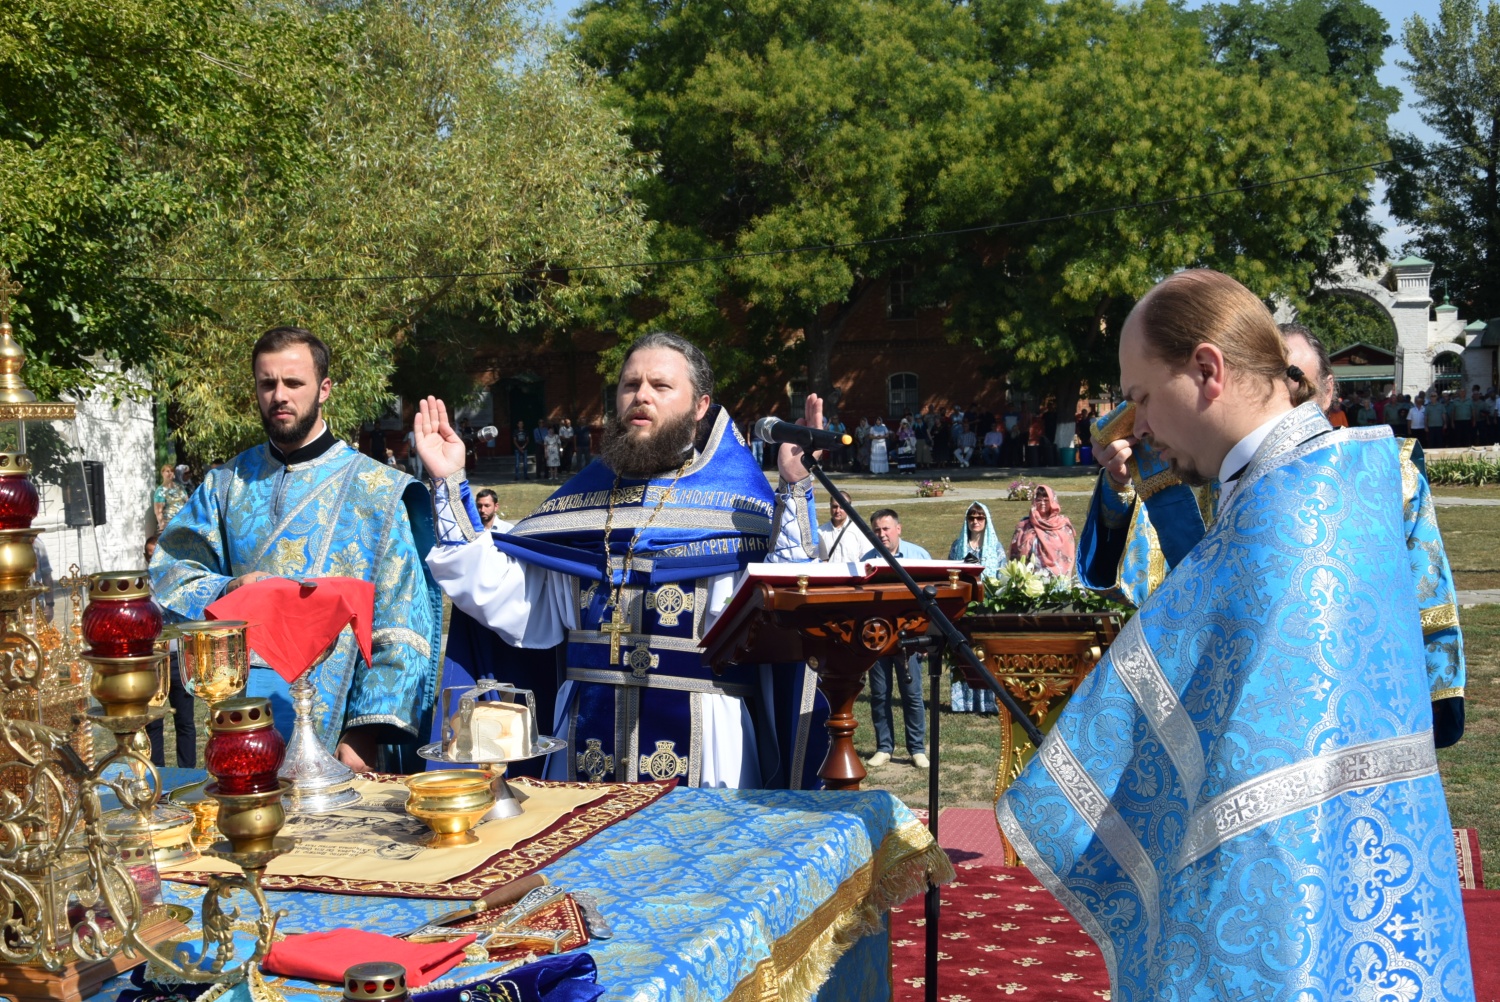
<point x="878" y="435"/>
<point x="976" y="544"/>
<point x="1046" y="535"/>
<point x="906" y="447"/>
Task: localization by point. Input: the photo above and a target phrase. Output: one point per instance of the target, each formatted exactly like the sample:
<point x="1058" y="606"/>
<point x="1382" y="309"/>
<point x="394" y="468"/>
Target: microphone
<point x="774" y="430"/>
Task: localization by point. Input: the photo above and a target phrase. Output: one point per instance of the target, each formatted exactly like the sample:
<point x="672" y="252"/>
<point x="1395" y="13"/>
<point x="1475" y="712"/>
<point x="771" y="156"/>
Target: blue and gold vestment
<point x="1128" y="546"/>
<point x="338" y="514"/>
<point x="1242" y="800"/>
<point x="637" y="705"/>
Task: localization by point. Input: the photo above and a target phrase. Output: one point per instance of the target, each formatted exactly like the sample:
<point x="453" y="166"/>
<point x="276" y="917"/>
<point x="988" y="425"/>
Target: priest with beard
<point x="305" y="505"/>
<point x="598" y="600"/>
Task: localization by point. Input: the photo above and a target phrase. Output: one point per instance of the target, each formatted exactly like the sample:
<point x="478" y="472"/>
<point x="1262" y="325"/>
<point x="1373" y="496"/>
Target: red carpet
<point x="1002" y="935"/>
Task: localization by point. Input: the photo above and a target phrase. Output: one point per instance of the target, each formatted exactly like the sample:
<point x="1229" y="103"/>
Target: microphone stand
<point x="946" y="635"/>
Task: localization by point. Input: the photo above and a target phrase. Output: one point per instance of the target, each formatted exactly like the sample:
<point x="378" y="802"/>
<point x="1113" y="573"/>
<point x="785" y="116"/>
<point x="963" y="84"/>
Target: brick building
<point x="889" y="359"/>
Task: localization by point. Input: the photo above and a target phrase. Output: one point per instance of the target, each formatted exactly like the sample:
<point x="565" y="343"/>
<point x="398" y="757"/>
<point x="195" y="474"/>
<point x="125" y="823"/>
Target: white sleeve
<point x="795" y="530"/>
<point x="527" y="606"/>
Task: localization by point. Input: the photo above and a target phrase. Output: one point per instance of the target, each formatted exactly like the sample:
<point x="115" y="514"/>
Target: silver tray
<point x="544" y="746"/>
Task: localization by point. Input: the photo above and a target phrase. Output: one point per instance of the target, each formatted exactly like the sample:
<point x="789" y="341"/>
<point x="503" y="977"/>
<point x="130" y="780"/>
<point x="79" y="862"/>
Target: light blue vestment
<point x="339" y="514"/>
<point x="1122" y="555"/>
<point x="1242" y="800"/>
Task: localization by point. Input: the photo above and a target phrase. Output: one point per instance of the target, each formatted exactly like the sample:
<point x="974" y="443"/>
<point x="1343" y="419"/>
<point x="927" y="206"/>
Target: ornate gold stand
<point x="1041" y="659"/>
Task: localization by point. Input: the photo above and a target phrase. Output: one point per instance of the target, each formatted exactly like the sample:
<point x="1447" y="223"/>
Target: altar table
<point x="712" y="894"/>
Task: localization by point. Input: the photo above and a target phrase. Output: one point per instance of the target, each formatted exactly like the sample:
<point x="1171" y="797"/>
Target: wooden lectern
<point x="839" y="618"/>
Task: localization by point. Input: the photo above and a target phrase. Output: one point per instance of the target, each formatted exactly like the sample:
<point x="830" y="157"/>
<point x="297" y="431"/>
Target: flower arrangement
<point x="934" y="488"/>
<point x="1023" y="586"/>
<point x="1020" y="490"/>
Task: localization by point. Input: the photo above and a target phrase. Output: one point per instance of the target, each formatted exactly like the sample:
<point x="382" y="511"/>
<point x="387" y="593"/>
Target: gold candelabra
<point x="80" y="895"/>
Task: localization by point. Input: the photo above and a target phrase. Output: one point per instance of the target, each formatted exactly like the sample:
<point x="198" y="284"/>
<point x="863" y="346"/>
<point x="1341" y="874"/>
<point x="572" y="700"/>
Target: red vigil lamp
<point x="245" y="749"/>
<point x="122" y="620"/>
<point x="19" y="501"/>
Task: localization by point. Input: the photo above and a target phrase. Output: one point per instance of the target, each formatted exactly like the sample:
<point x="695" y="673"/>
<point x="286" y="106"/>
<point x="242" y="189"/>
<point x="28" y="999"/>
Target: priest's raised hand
<point x="441" y="449"/>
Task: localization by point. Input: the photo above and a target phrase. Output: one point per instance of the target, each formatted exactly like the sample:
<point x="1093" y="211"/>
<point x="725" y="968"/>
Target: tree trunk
<point x="1065" y="388"/>
<point x="823" y="336"/>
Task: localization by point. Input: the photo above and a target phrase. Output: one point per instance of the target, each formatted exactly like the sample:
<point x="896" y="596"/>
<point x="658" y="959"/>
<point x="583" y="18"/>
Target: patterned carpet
<point x="1002" y="935"/>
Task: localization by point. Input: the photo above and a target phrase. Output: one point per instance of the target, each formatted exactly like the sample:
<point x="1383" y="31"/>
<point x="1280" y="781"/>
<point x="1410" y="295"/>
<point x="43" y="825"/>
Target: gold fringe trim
<point x="908" y="862"/>
<point x="1438" y="694"/>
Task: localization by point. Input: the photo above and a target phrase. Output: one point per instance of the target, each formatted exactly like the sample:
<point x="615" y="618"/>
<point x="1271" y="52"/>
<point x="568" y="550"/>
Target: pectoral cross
<point x="617" y="627"/>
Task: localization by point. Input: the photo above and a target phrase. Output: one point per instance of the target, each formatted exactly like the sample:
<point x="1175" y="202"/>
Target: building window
<point x="902" y="395"/>
<point x="900" y="293"/>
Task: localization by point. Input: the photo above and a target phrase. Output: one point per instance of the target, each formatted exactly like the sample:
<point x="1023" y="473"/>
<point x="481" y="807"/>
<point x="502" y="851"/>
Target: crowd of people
<point x="1439" y="418"/>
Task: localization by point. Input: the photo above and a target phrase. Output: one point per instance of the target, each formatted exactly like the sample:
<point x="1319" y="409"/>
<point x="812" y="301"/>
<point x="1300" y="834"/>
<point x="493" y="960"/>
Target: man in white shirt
<point x="839" y="539"/>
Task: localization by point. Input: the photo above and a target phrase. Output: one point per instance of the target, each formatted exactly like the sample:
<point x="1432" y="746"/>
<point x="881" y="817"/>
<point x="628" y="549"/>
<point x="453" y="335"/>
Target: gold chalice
<point x="450" y="802"/>
<point x="214" y="661"/>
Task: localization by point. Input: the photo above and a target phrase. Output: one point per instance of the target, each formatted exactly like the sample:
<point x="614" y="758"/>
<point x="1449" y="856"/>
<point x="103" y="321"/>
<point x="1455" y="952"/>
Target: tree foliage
<point x="1340" y="320"/>
<point x="1451" y="198"/>
<point x="780" y="124"/>
<point x="1122" y="105"/>
<point x="441" y="138"/>
<point x="786" y="123"/>
<point x="1342" y="42"/>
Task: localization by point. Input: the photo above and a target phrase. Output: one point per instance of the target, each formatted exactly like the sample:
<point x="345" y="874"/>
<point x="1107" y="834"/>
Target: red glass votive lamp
<point x="122" y="620"/>
<point x="19" y="501"/>
<point x="245" y="749"/>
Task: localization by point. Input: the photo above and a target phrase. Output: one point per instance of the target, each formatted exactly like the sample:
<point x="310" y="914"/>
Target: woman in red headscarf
<point x="1046" y="535"/>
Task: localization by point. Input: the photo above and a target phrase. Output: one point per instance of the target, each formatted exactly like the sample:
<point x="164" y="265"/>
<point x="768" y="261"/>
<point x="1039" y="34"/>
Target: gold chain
<point x="609" y="524"/>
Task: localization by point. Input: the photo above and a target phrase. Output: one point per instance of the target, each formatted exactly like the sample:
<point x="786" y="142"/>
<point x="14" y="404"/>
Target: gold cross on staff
<point x="617" y="627"/>
<point x="8" y="288"/>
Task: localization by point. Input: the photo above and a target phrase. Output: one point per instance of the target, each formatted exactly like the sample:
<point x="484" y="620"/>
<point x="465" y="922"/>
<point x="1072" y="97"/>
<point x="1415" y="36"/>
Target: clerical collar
<point x="308" y="452"/>
<point x="1238" y="458"/>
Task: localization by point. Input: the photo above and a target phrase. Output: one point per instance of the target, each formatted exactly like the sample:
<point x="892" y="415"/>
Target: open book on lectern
<point x="855" y="573"/>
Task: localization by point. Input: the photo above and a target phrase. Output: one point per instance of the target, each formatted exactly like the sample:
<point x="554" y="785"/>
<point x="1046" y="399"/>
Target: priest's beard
<point x="291" y="436"/>
<point x="643" y="458"/>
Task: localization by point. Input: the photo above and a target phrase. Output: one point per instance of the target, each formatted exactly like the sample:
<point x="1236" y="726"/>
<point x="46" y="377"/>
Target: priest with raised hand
<point x="621" y="571"/>
<point x="305" y="505"/>
<point x="1242" y="800"/>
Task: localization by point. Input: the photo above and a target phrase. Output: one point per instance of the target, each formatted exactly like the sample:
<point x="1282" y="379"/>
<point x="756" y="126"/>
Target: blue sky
<point x="1395" y="11"/>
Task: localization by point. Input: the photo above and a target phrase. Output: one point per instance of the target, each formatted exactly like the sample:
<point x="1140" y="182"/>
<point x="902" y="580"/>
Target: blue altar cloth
<point x="712" y="894"/>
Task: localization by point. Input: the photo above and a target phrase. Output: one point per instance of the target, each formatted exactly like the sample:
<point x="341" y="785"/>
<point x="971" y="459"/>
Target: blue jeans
<point x="520" y="464"/>
<point x="912" y="714"/>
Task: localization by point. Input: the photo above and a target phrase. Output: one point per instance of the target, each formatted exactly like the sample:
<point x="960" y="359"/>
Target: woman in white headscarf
<point x="879" y="462"/>
<point x="976" y="544"/>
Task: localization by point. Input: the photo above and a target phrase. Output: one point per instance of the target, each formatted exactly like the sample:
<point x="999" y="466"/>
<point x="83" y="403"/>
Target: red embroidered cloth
<point x="293" y="622"/>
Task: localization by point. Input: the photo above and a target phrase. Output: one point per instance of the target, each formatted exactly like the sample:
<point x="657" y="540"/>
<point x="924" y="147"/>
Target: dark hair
<point x="885" y="513"/>
<point x="282" y="338"/>
<point x="1203" y="306"/>
<point x="700" y="371"/>
<point x="487" y="493"/>
<point x="1325" y="365"/>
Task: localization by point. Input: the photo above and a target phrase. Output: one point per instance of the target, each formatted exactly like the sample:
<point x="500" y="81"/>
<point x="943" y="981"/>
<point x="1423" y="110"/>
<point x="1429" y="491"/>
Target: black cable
<point x="810" y="248"/>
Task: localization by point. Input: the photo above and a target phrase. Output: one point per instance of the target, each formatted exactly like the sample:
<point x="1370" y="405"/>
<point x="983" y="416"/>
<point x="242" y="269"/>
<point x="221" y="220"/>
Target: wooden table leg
<point x="840" y="679"/>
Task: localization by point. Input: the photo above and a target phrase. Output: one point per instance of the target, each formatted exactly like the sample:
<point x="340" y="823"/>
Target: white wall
<point x="123" y="438"/>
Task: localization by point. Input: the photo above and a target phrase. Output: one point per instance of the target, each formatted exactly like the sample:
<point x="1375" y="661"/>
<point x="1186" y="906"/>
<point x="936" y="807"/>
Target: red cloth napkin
<point x="291" y="624"/>
<point x="325" y="956"/>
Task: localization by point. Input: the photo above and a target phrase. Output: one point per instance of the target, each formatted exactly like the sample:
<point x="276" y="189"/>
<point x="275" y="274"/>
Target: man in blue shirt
<point x="887" y="526"/>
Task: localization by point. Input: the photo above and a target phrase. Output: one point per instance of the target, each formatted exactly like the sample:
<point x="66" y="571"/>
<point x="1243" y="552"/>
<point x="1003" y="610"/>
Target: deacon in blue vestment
<point x="1135" y="534"/>
<point x="621" y="571"/>
<point x="306" y="505"/>
<point x="1242" y="800"/>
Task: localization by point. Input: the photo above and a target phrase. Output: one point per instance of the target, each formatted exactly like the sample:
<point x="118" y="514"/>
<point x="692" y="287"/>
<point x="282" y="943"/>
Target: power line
<point x="809" y="248"/>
